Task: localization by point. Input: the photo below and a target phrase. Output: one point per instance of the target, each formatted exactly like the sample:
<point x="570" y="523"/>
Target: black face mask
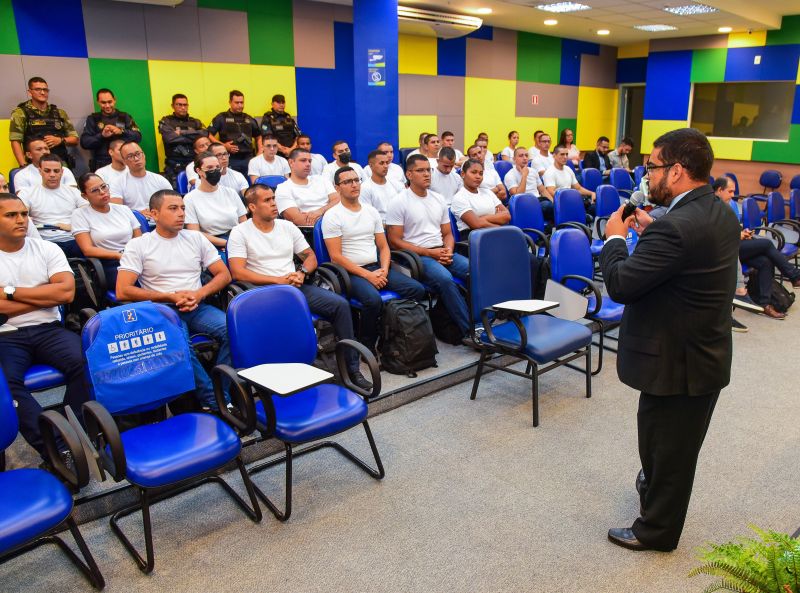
<point x="345" y="157"/>
<point x="213" y="177"/>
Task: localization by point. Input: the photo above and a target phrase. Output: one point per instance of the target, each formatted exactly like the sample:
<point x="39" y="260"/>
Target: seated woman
<point x="476" y="207"/>
<point x="102" y="229"/>
<point x="211" y="208"/>
<point x="508" y="152"/>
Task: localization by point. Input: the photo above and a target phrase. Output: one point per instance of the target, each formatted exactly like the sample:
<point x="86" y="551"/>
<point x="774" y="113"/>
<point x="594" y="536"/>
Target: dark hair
<point x="428" y="138"/>
<point x="511" y="133"/>
<point x="124" y="144"/>
<point x="627" y="141"/>
<point x="537" y="132"/>
<point x="447" y="134"/>
<point x="337" y="143"/>
<point x="471" y="147"/>
<point x="722" y="182"/>
<point x="413" y="159"/>
<point x="194" y="142"/>
<point x="563" y="138"/>
<point x="157" y="199"/>
<point x="235" y="93"/>
<point x="104" y="90"/>
<point x="251" y="195"/>
<point x="447" y="153"/>
<point x="339" y="172"/>
<point x="9" y="196"/>
<point x="385" y="142"/>
<point x="84" y="179"/>
<point x="469" y="163"/>
<point x="29" y="141"/>
<point x="603" y="139"/>
<point x="198" y="160"/>
<point x="268" y="137"/>
<point x="690" y="148"/>
<point x="35" y="79"/>
<point x="375" y="154"/>
<point x="179" y="96"/>
<point x="560" y="146"/>
<point x="517" y="149"/>
<point x="51" y="158"/>
<point x="297" y="152"/>
<point x="278" y="99"/>
<point x="304" y="136"/>
<point x="215" y="144"/>
<point x="481" y="134"/>
<point x="422" y="136"/>
<point x="114" y="143"/>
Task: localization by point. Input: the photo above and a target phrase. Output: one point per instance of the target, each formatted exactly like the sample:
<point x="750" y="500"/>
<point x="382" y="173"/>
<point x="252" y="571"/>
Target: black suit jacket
<point x="677" y="288"/>
<point x="592" y="159"/>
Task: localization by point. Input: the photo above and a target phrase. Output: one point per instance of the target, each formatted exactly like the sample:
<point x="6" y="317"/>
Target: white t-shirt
<point x="491" y="178"/>
<point x="540" y="163"/>
<point x="421" y="218"/>
<point x="30" y="176"/>
<point x="482" y="203"/>
<point x="508" y="152"/>
<point x="446" y="185"/>
<point x="329" y="171"/>
<point x="108" y="230"/>
<point x="559" y="179"/>
<point x="318" y="163"/>
<point x="395" y="173"/>
<point x="259" y="166"/>
<point x="169" y="265"/>
<point x="513" y="178"/>
<point x="270" y="254"/>
<point x="357" y="230"/>
<point x="136" y="191"/>
<point x="306" y="198"/>
<point x="109" y="174"/>
<point x="191" y="174"/>
<point x="216" y="212"/>
<point x="32" y="266"/>
<point x="488" y="160"/>
<point x="52" y="206"/>
<point x="379" y="196"/>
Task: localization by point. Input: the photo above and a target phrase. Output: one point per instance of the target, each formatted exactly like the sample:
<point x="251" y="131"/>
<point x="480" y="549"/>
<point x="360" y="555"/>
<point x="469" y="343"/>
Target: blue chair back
<point x="592" y="178"/>
<point x="145" y="225"/>
<point x="320" y="249"/>
<point x="732" y="177"/>
<point x="621" y="179"/>
<point x="771" y="179"/>
<point x="752" y="216"/>
<point x="735" y="207"/>
<point x="795" y="182"/>
<point x="638" y="173"/>
<point x="272" y="181"/>
<point x="776" y="207"/>
<point x="570" y="254"/>
<point x="526" y="212"/>
<point x="137" y="357"/>
<point x="270" y="324"/>
<point x="794" y="203"/>
<point x="404" y="152"/>
<point x="11" y="175"/>
<point x="182" y="181"/>
<point x="503" y="167"/>
<point x="608" y="200"/>
<point x="572" y="166"/>
<point x="454" y="226"/>
<point x="632" y="238"/>
<point x="8" y="415"/>
<point x="568" y="207"/>
<point x="495" y="273"/>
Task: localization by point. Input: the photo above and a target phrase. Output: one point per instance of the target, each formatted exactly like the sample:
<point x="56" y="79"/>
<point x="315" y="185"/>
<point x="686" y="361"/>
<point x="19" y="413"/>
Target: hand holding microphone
<point x="620" y="221"/>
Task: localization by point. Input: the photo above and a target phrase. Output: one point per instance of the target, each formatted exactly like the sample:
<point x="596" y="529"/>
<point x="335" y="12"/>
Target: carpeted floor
<point x="476" y="500"/>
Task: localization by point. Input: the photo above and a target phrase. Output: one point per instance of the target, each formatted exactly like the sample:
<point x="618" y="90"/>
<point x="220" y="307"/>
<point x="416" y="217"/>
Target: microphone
<point x="636" y="200"/>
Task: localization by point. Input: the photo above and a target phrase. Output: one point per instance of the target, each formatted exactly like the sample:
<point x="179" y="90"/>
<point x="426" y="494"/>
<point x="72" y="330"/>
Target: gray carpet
<point x="476" y="500"/>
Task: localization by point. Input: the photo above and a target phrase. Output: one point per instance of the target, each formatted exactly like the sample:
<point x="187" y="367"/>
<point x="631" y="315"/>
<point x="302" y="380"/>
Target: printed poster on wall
<point x="376" y="67"/>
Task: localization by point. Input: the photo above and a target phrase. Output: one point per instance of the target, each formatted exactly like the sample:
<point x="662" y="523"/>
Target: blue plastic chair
<point x="526" y="214"/>
<point x="795" y="182"/>
<point x="790" y="229"/>
<point x="770" y="180"/>
<point x="569" y="210"/>
<point x="794" y="204"/>
<point x="145" y="224"/>
<point x="607" y="202"/>
<point x="140" y="372"/>
<point x="735" y="180"/>
<point x="404" y="153"/>
<point x="753" y="219"/>
<point x="544" y="342"/>
<point x="182" y="181"/>
<point x="592" y="178"/>
<point x="272" y="181"/>
<point x="621" y="179"/>
<point x="503" y="167"/>
<point x="35" y="504"/>
<point x="11" y="174"/>
<point x="310" y="415"/>
<point x="638" y="173"/>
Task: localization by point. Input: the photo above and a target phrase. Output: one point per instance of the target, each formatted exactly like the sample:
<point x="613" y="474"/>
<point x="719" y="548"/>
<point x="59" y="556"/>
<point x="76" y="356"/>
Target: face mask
<point x="345" y="157"/>
<point x="213" y="177"/>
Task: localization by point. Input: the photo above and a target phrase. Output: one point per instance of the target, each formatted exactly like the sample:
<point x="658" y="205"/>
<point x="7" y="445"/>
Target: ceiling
<point x="619" y="17"/>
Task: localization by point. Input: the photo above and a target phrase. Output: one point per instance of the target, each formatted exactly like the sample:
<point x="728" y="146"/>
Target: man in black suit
<point x="675" y="338"/>
<point x="599" y="158"/>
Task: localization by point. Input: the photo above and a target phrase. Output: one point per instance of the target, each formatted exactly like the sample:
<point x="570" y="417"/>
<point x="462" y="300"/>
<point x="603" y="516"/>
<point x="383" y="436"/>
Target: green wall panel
<point x="708" y="65"/>
<point x="538" y="58"/>
<point x="130" y="81"/>
<point x="269" y="25"/>
<point x="9" y="43"/>
<point x="788" y="33"/>
<point x="779" y="152"/>
<point x="224" y="4"/>
<point x="563" y="123"/>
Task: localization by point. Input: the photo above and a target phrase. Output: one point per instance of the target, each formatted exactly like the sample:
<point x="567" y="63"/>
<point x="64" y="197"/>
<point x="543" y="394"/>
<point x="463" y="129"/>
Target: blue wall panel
<point x="668" y="85"/>
<point x="451" y="57"/>
<point x="485" y="32"/>
<point x="631" y="70"/>
<point x="571" y="51"/>
<point x="778" y="62"/>
<point x="51" y="28"/>
<point x="796" y="110"/>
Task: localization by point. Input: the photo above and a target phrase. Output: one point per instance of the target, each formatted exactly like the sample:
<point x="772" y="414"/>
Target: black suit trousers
<point x="671" y="433"/>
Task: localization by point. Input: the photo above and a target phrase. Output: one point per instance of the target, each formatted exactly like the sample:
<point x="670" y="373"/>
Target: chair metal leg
<point x="478" y="373"/>
<point x="535" y="393"/>
<point x="589" y="372"/>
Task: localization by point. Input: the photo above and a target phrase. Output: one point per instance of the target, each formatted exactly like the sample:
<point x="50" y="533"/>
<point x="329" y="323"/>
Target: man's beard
<point x="660" y="194"/>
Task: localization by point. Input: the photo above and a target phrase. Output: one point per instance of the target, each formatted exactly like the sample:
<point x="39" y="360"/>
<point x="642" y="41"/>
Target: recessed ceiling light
<point x="563" y="7"/>
<point x="482" y="11"/>
<point x="691" y="9"/>
<point x="655" y="28"/>
<point x="725" y="29"/>
<point x="551" y="22"/>
<point x="603" y="32"/>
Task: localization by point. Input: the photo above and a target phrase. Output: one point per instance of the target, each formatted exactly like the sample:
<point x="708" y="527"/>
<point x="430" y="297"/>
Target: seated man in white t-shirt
<point x="269" y="162"/>
<point x="137" y="185"/>
<point x="200" y="145"/>
<point x="211" y="208"/>
<point x="541" y="159"/>
<point x="355" y="239"/>
<point x="51" y="204"/>
<point x="261" y="251"/>
<point x="395" y="172"/>
<point x="35" y="279"/>
<point x="378" y="190"/>
<point x="491" y="178"/>
<point x="116" y="168"/>
<point x="560" y="176"/>
<point x="522" y="179"/>
<point x="341" y="157"/>
<point x="449" y="140"/>
<point x="303" y="198"/>
<point x="165" y="266"/>
<point x="417" y="220"/>
<point x="444" y="180"/>
<point x="30" y="176"/>
<point x="318" y="161"/>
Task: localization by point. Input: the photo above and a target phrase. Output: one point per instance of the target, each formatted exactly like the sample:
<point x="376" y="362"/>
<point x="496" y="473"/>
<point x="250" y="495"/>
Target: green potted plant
<point x="769" y="563"/>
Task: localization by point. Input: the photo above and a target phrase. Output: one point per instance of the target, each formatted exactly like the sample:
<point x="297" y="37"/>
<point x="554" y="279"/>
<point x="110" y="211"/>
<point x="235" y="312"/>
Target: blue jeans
<point x="371" y="303"/>
<point x="206" y="319"/>
<point x="547" y="209"/>
<point x="440" y="279"/>
<point x="70" y="248"/>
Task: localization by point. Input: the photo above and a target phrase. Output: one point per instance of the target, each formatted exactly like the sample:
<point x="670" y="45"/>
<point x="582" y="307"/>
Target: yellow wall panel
<point x="798" y="73"/>
<point x="417" y="55"/>
<point x="732" y="148"/>
<point x="754" y="39"/>
<point x="634" y="50"/>
<point x="7" y="160"/>
<point x="411" y="126"/>
<point x="526" y="126"/>
<point x="653" y="128"/>
<point x="597" y="116"/>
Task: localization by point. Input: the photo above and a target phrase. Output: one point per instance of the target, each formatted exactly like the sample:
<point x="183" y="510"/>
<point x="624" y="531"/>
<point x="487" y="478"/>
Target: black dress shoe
<point x="623" y="536"/>
<point x="360" y="380"/>
<point x="640" y="481"/>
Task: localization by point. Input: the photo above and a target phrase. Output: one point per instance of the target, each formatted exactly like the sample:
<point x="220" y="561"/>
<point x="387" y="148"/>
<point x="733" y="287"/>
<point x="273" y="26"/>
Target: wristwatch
<point x="9" y="291"/>
<point x="303" y="269"/>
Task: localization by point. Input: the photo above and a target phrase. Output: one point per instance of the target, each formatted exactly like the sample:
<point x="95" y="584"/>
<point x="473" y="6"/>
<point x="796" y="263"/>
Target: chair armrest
<point x="774" y="232"/>
<point x="788" y="224"/>
<point x="341" y="274"/>
<point x="545" y="239"/>
<point x="577" y="225"/>
<point x="243" y="416"/>
<point x="100" y="274"/>
<point x="462" y="248"/>
<point x="102" y="431"/>
<point x="598" y="302"/>
<point x="514" y="317"/>
<point x="598" y="232"/>
<point x="409" y="260"/>
<point x="327" y="276"/>
<point x="368" y="357"/>
<point x="50" y="423"/>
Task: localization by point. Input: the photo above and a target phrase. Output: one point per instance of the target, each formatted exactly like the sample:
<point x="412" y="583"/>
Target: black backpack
<point x="406" y="343"/>
<point x="444" y="328"/>
<point x="780" y="298"/>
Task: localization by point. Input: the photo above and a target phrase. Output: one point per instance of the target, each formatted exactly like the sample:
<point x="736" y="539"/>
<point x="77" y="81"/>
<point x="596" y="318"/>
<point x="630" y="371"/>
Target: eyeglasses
<point x="211" y="169"/>
<point x="134" y="156"/>
<point x="349" y="181"/>
<point x="222" y="155"/>
<point x="41" y="90"/>
<point x="99" y="189"/>
<point x="650" y="167"/>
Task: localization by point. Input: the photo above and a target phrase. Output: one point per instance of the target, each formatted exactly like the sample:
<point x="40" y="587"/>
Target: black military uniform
<point x="281" y="125"/>
<point x="179" y="134"/>
<point x="38" y="124"/>
<point x="93" y="139"/>
<point x="241" y="129"/>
